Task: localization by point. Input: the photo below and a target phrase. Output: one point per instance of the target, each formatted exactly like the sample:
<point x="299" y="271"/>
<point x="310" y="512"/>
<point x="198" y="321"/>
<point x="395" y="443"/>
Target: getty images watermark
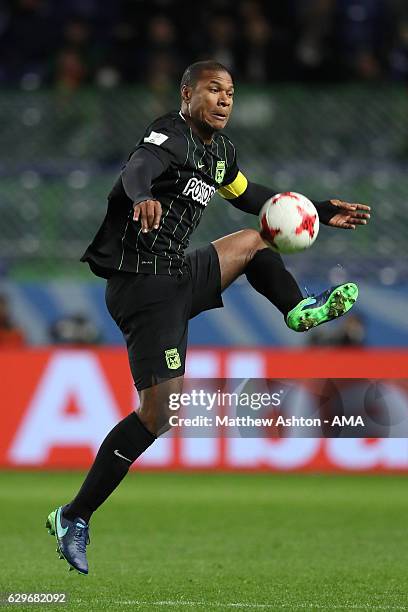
<point x="252" y="401"/>
<point x="290" y="408"/>
<point x="209" y="400"/>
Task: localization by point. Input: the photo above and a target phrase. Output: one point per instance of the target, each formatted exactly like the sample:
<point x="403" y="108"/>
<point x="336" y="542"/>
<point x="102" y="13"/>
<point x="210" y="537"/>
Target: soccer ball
<point x="289" y="222"/>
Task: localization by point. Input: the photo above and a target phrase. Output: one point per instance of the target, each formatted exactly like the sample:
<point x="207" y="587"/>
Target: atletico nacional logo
<point x="172" y="359"/>
<point x="220" y="171"/>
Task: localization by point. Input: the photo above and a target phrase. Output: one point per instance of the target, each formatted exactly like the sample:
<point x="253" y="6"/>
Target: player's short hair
<point x="193" y="72"/>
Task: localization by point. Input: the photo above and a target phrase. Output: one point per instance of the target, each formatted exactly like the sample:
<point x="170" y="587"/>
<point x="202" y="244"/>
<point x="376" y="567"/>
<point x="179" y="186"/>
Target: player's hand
<point x="348" y="216"/>
<point x="149" y="212"/>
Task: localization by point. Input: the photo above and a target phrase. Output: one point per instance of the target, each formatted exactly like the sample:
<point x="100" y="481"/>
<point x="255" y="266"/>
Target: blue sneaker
<point x="315" y="310"/>
<point x="72" y="539"/>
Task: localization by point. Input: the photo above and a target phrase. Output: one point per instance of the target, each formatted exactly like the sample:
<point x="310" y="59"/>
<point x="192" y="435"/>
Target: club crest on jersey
<point x="199" y="191"/>
<point x="172" y="359"/>
<point x="220" y="171"/>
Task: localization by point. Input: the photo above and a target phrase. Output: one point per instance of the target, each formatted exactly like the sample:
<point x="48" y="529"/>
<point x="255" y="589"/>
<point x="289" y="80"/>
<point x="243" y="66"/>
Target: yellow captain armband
<point x="234" y="189"/>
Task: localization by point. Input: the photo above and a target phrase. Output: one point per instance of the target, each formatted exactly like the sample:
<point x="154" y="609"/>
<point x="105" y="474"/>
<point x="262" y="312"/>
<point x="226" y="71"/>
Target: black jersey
<point x="194" y="172"/>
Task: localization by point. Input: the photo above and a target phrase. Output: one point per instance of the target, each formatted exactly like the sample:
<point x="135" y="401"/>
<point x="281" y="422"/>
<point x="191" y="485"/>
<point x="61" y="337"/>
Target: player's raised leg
<point x="244" y="252"/>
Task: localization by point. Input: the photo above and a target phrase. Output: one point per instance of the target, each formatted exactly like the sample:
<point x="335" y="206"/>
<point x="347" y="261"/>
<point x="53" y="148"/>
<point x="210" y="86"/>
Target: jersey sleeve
<point x="166" y="143"/>
<point x="139" y="172"/>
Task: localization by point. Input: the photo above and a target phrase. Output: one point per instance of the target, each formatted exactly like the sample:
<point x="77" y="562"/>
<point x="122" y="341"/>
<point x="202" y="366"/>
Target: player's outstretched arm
<point x="250" y="197"/>
<point x="343" y="215"/>
<point x="335" y="213"/>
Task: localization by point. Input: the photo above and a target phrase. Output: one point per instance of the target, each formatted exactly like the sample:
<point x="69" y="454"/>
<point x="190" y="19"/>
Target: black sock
<point x="121" y="447"/>
<point x="267" y="274"/>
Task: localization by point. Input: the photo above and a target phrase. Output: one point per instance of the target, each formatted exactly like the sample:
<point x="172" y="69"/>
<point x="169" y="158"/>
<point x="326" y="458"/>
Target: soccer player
<point x="153" y="289"/>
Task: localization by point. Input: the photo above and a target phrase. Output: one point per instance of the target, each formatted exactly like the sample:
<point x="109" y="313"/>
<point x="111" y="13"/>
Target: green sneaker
<point x="315" y="310"/>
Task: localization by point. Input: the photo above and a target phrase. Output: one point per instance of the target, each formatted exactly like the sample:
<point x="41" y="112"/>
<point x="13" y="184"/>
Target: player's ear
<point x="186" y="93"/>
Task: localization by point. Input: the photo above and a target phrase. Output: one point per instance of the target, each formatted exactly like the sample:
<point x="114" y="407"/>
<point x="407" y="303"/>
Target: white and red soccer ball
<point x="289" y="222"/>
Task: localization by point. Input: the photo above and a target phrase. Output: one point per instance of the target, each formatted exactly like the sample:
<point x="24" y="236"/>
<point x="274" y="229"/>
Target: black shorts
<point x="152" y="312"/>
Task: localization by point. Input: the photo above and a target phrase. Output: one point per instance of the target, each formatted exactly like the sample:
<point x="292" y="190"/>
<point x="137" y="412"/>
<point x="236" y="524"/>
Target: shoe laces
<point x="322" y="298"/>
<point x="81" y="537"/>
<point x="316" y="300"/>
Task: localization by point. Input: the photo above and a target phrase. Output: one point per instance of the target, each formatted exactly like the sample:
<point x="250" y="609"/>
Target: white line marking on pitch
<point x="247" y="605"/>
<point x="185" y="602"/>
<point x="216" y="604"/>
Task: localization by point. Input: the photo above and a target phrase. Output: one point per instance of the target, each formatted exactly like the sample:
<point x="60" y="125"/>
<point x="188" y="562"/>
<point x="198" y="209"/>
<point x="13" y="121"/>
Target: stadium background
<point x="321" y="108"/>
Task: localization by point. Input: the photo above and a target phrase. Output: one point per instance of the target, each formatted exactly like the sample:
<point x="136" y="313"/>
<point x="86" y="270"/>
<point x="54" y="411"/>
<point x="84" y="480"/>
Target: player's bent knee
<point x="253" y="242"/>
<point x="239" y="244"/>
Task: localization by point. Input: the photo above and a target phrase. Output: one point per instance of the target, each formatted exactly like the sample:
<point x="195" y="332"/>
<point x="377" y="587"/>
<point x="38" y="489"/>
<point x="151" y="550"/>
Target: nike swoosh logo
<point x="201" y="165"/>
<point x="61" y="531"/>
<point x="117" y="453"/>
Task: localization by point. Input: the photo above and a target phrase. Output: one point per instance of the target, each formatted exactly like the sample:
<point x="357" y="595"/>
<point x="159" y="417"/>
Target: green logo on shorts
<point x="172" y="359"/>
<point x="220" y="171"/>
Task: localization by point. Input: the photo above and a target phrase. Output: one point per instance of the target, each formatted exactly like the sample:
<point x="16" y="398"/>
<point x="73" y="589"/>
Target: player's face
<point x="212" y="99"/>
